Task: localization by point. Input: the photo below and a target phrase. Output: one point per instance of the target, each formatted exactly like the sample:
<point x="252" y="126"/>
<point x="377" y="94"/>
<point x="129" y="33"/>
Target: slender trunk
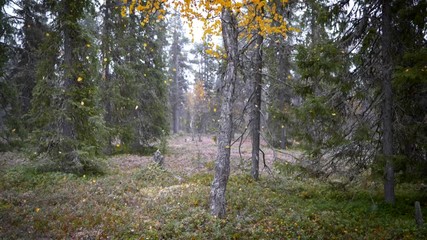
<point x="283" y="138"/>
<point x="66" y="125"/>
<point x="175" y="118"/>
<point x="106" y="58"/>
<point x="222" y="167"/>
<point x="387" y="117"/>
<point x="256" y="107"/>
<point x="176" y="94"/>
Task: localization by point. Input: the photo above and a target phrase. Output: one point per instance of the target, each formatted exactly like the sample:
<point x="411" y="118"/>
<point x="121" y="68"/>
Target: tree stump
<point x="418" y="214"/>
<point x="158" y="157"/>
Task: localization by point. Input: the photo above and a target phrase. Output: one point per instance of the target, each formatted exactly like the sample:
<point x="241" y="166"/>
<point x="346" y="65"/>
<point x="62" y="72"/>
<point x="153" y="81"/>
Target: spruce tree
<point x="65" y="101"/>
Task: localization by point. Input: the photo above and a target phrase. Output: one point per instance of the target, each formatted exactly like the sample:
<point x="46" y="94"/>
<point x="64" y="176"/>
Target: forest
<point x="213" y="119"/>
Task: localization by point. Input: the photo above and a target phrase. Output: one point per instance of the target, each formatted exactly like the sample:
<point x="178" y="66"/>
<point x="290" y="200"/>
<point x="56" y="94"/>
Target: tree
<point x="230" y="20"/>
<point x="64" y="105"/>
<point x="387" y="117"/>
<point x="22" y="46"/>
<point x="222" y="167"/>
<point x="256" y="102"/>
<point x="177" y="68"/>
<point x="279" y="66"/>
<point x="137" y="86"/>
<point x="205" y="95"/>
<point x="348" y="76"/>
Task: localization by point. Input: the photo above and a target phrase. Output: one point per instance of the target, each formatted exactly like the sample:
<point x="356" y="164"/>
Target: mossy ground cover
<point x="136" y="199"/>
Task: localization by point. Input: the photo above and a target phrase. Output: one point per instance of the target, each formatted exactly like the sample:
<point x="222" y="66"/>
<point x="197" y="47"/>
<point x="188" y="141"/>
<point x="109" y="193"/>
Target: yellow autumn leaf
<point x="79" y="79"/>
<point x="82" y="103"/>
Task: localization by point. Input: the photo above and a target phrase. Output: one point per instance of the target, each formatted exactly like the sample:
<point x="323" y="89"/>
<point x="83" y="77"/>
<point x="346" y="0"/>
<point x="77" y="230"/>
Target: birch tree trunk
<point x="222" y="167"/>
<point x="256" y="107"/>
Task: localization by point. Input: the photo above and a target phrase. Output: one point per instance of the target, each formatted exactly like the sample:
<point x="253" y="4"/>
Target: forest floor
<point x="136" y="199"/>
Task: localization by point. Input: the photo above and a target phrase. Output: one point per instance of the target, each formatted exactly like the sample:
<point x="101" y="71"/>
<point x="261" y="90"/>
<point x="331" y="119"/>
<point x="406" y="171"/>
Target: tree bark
<point x="222" y="167"/>
<point x="106" y="55"/>
<point x="418" y="215"/>
<point x="176" y="91"/>
<point x="387" y="139"/>
<point x="256" y="107"/>
<point x="67" y="127"/>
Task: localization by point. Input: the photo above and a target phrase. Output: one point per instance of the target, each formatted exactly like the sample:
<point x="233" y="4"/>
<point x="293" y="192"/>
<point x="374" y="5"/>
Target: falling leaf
<point x="13" y="130"/>
<point x="79" y="79"/>
<point x="145" y="44"/>
<point x="214" y="109"/>
<point x="105" y="59"/>
<point x="47" y="34"/>
<point x="87" y="57"/>
<point x="82" y="103"/>
<point x="88" y="45"/>
<point x="283" y="126"/>
<point x="37" y="209"/>
<point x="117" y="145"/>
<point x="334" y="114"/>
<point x="136" y="107"/>
<point x="174" y="69"/>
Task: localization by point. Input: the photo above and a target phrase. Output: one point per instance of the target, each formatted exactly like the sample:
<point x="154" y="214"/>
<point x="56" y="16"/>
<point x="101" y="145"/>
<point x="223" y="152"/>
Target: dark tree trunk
<point x="67" y="127"/>
<point x="256" y="107"/>
<point x="106" y="48"/>
<point x="175" y="118"/>
<point x="176" y="88"/>
<point x="387" y="117"/>
<point x="222" y="167"/>
<point x="283" y="138"/>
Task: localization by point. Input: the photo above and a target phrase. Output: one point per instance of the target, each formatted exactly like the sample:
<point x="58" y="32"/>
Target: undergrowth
<point x="151" y="202"/>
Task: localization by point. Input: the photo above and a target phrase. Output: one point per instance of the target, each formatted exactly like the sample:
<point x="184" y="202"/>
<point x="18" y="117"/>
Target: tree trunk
<point x="222" y="167"/>
<point x="106" y="55"/>
<point x="176" y="90"/>
<point x="67" y="127"/>
<point x="387" y="117"/>
<point x="256" y="107"/>
<point x="175" y="118"/>
<point x="283" y="138"/>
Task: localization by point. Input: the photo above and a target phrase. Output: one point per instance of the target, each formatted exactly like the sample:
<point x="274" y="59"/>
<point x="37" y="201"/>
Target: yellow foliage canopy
<point x="254" y="16"/>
